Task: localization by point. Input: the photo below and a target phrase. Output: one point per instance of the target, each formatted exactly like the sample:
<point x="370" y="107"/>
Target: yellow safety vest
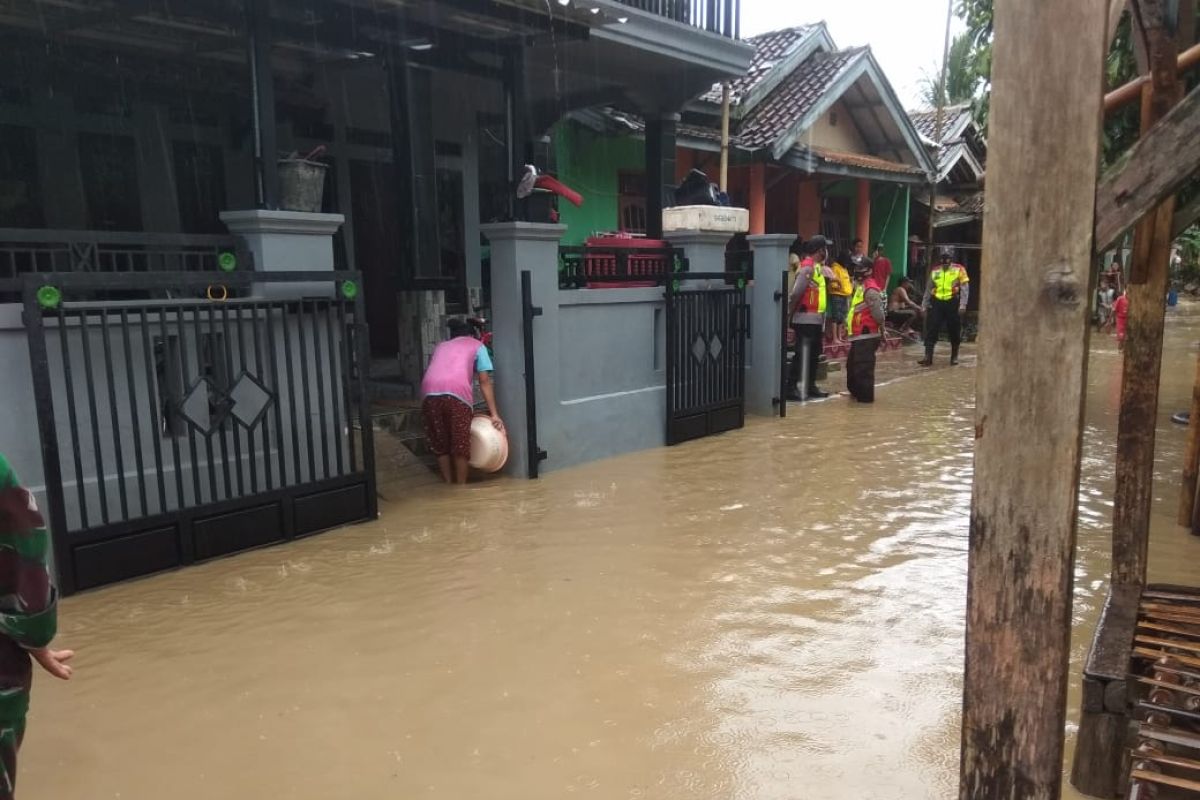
<point x="818" y="278"/>
<point x="946" y="281"/>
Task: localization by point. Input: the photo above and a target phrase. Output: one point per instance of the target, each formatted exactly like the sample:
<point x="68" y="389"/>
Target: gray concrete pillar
<point x="287" y="241"/>
<point x="705" y="250"/>
<point x="518" y="246"/>
<point x="766" y="335"/>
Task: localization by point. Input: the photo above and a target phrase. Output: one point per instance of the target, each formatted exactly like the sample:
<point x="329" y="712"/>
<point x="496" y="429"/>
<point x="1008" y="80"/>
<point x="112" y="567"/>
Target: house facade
<point x="183" y="411"/>
<point x="819" y="144"/>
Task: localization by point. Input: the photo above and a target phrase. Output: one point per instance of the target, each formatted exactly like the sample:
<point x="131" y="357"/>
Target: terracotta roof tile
<point x="768" y="49"/>
<point x="794" y="97"/>
<point x="926" y="121"/>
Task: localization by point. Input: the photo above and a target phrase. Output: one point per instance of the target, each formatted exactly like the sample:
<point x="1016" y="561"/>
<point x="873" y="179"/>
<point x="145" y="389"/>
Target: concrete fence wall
<point x="599" y="354"/>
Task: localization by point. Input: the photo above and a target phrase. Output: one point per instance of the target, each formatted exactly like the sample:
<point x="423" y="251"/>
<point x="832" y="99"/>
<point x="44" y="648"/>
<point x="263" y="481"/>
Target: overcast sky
<point x="905" y="35"/>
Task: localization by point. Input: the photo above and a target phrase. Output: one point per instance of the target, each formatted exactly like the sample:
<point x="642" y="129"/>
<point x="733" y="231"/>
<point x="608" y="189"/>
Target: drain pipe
<point x="724" y="137"/>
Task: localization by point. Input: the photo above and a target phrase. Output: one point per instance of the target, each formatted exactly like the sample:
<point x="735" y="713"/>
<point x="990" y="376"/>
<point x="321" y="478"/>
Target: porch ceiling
<point x="634" y="60"/>
<point x="447" y="33"/>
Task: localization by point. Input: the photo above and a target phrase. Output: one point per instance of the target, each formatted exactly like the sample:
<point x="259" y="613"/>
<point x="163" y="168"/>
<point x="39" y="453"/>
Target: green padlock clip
<point x="227" y="261"/>
<point x="349" y="290"/>
<point x="49" y="297"/>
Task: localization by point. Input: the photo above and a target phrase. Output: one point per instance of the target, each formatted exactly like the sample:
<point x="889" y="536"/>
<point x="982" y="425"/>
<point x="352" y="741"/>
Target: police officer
<point x="864" y="326"/>
<point x="945" y="301"/>
<point x="807" y="306"/>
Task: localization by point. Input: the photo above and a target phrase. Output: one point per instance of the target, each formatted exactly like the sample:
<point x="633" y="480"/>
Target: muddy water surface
<point x="774" y="613"/>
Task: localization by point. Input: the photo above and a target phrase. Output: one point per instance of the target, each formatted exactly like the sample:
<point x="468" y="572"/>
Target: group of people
<point x="1112" y="306"/>
<point x="847" y="304"/>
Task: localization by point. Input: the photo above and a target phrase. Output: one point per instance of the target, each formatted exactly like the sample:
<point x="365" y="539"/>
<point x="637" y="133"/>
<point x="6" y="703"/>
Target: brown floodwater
<point x="772" y="613"/>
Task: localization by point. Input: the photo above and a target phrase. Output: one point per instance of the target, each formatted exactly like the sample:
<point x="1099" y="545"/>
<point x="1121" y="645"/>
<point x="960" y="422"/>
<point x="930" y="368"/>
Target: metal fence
<point x="33" y="251"/>
<point x="716" y="16"/>
<point x="595" y="266"/>
<point x="173" y="431"/>
<point x="707" y="328"/>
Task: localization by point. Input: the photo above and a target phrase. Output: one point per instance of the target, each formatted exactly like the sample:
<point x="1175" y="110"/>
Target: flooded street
<point x="773" y="613"/>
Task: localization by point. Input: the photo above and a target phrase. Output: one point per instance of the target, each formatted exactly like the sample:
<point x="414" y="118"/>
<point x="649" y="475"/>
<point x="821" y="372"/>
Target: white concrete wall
<point x="835" y="130"/>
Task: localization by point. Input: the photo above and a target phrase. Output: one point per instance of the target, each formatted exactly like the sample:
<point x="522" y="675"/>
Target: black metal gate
<point x="707" y="327"/>
<point x="177" y="430"/>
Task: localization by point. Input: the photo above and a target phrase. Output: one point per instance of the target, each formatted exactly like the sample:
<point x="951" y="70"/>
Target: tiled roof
<point x="794" y="97"/>
<point x="926" y="121"/>
<point x="768" y="49"/>
<point x="859" y="160"/>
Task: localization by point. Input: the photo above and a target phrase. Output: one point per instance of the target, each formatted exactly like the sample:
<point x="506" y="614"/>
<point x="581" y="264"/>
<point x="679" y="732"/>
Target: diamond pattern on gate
<point x="715" y="347"/>
<point x="250" y="400"/>
<point x="699" y="347"/>
<point x="205" y="406"/>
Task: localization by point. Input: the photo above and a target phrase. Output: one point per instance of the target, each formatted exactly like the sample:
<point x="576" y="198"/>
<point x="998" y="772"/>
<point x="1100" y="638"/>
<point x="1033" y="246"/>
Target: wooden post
<point x="758" y="198"/>
<point x="1191" y="460"/>
<point x="1138" y="416"/>
<point x="1029" y="408"/>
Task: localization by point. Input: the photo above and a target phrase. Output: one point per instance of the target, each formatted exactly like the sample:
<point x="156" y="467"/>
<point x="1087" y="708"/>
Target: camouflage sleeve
<point x="28" y="601"/>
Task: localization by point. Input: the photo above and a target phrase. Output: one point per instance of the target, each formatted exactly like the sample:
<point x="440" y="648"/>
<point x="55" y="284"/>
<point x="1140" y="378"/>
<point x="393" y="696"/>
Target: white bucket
<point x="489" y="447"/>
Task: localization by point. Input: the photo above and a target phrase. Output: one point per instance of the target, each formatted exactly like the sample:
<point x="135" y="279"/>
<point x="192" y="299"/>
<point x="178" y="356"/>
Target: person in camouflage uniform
<point x="28" y="616"/>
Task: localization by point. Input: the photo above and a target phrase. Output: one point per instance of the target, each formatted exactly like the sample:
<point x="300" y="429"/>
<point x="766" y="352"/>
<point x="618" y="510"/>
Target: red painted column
<point x="808" y="209"/>
<point x="863" y="216"/>
<point x="758" y="199"/>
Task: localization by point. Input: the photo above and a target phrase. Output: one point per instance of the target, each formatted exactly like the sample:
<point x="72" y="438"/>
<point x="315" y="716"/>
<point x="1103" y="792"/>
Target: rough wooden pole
<point x="1138" y="416"/>
<point x="1029" y="408"/>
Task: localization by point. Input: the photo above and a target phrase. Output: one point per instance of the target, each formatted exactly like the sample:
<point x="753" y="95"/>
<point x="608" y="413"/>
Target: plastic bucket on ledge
<point x="301" y="184"/>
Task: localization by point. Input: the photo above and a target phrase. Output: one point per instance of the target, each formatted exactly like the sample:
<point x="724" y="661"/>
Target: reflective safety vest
<point x="948" y="280"/>
<point x="859" y="319"/>
<point x="815" y="294"/>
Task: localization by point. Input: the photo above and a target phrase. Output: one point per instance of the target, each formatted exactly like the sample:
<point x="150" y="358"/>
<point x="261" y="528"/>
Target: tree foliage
<point x="962" y="76"/>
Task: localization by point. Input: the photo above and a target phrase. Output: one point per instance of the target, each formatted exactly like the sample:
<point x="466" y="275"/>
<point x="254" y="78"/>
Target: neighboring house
<point x="819" y="144"/>
<point x="962" y="158"/>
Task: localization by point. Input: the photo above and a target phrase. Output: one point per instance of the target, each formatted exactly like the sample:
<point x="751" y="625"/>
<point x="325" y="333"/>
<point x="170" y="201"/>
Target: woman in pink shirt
<point x="448" y="399"/>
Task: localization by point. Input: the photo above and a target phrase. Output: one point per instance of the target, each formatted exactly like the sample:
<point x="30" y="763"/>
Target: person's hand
<point x="54" y="661"/>
<point x="497" y="422"/>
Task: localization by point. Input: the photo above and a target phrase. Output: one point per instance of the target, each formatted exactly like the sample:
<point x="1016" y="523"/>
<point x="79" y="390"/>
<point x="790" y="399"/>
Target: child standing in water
<point x="28" y="616"/>
<point x="1120" y="312"/>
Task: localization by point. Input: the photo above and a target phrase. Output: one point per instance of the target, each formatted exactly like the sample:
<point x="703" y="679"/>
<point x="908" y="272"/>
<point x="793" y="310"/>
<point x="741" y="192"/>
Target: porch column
<point x="660" y="169"/>
<point x="862" y="217"/>
<point x="758" y="199"/>
<point x="808" y="209"/>
<point x="518" y="246"/>
<point x="766" y="335"/>
<point x="262" y="88"/>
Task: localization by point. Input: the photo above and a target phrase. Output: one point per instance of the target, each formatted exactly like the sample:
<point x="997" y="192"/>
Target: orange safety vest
<point x="859" y="319"/>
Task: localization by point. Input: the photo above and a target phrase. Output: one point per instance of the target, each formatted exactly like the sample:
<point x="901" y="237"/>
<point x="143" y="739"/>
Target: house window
<point x="631" y="202"/>
<point x="20" y="191"/>
<point x="199" y="186"/>
<point x="110" y="182"/>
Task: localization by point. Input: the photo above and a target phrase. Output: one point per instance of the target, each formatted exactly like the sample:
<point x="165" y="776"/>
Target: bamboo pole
<point x="725" y="136"/>
<point x="1124" y="95"/>
<point x="1138" y="415"/>
<point x="1041" y="201"/>
<point x="938" y="122"/>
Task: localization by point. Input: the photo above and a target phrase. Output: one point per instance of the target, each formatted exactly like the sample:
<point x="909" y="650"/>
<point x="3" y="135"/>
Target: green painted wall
<point x="589" y="163"/>
<point x="889" y="224"/>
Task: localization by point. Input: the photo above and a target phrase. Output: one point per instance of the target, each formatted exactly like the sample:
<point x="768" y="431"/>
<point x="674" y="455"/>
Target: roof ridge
<point x="802" y="28"/>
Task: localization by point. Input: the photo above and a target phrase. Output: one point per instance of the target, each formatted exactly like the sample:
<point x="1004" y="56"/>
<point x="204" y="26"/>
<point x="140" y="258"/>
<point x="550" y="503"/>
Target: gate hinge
<point x="535" y="311"/>
<point x="541" y="454"/>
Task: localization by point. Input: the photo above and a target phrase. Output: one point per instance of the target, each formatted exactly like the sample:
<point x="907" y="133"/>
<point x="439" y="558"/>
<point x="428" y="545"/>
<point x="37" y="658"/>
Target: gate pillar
<point x="532" y="247"/>
<point x="766" y="345"/>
